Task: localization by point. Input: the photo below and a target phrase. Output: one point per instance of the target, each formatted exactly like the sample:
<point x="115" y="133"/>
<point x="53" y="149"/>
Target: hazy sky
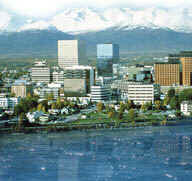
<point x="44" y="8"/>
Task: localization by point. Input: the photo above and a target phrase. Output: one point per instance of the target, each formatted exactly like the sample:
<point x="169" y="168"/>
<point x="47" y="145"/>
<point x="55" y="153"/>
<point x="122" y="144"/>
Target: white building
<point x="34" y="116"/>
<point x="100" y="93"/>
<point x="48" y="91"/>
<point x="138" y="92"/>
<point x="186" y="107"/>
<point x="54" y="85"/>
<point x="58" y="76"/>
<point x="40" y="72"/>
<point x="8" y="103"/>
<point x="71" y="52"/>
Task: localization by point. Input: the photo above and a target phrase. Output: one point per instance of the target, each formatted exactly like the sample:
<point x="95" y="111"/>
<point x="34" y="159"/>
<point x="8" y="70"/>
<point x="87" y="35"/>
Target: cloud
<point x="4" y="20"/>
<point x="46" y="8"/>
<point x="38" y="25"/>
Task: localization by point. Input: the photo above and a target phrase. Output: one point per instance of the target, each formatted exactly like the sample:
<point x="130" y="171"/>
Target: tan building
<point x="71" y="53"/>
<point x="167" y="74"/>
<point x="78" y="79"/>
<point x="186" y="69"/>
<point x="21" y="90"/>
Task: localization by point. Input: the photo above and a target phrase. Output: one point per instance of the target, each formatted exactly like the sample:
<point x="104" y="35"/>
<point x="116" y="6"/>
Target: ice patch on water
<point x="168" y="175"/>
<point x="43" y="168"/>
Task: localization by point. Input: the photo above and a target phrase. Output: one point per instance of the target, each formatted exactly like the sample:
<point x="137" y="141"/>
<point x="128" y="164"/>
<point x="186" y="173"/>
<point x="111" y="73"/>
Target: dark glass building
<point x="107" y="55"/>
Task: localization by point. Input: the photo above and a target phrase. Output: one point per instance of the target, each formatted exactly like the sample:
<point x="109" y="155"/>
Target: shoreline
<point x="85" y="127"/>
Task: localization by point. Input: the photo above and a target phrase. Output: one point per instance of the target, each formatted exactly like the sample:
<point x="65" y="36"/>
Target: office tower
<point x="107" y="55"/>
<point x="78" y="79"/>
<point x="40" y="72"/>
<point x="71" y="52"/>
<point x="186" y="61"/>
<point x="167" y="74"/>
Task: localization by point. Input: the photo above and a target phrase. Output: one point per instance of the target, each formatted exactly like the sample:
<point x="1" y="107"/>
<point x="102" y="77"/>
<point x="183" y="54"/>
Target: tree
<point x="120" y="114"/>
<point x="129" y="105"/>
<point x="107" y="108"/>
<point x="122" y="107"/>
<point x="43" y="109"/>
<point x="78" y="100"/>
<point x="178" y="113"/>
<point x="143" y="107"/>
<point x="166" y="101"/>
<point x="44" y="104"/>
<point x="186" y="94"/>
<point x="18" y="109"/>
<point x="12" y="94"/>
<point x="49" y="97"/>
<point x="131" y="114"/>
<point x="40" y="107"/>
<point x="58" y="103"/>
<point x="158" y="104"/>
<point x="29" y="95"/>
<point x="53" y="106"/>
<point x="174" y="103"/>
<point x="111" y="114"/>
<point x="171" y="93"/>
<point x="21" y="120"/>
<point x="100" y="106"/>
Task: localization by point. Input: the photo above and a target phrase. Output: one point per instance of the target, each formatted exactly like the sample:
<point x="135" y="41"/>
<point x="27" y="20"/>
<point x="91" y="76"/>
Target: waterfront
<point x="146" y="153"/>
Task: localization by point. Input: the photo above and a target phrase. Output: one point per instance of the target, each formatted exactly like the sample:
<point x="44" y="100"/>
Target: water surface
<point x="140" y="154"/>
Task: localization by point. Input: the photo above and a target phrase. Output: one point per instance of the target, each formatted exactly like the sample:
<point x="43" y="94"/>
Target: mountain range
<point x="135" y="30"/>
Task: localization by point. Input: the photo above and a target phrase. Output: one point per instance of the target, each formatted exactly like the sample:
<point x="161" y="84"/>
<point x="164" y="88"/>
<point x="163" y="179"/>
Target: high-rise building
<point x="78" y="79"/>
<point x="107" y="55"/>
<point x="40" y="72"/>
<point x="71" y="52"/>
<point x="167" y="74"/>
<point x="186" y="61"/>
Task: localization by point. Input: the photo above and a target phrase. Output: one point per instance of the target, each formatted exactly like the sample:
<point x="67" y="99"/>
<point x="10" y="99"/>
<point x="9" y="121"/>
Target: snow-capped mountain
<point x="82" y="20"/>
<point x="135" y="30"/>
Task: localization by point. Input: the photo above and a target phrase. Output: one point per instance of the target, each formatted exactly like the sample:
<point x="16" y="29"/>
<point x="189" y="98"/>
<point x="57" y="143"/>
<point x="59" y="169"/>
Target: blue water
<point x="140" y="154"/>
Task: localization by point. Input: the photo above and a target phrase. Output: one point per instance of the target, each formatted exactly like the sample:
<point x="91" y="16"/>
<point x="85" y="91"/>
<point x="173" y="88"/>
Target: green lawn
<point x="94" y="118"/>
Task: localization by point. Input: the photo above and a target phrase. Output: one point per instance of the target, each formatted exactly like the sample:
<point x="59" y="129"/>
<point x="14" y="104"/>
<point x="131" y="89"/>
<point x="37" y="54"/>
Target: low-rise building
<point x="58" y="76"/>
<point x="186" y="107"/>
<point x="44" y="92"/>
<point x="100" y="93"/>
<point x="34" y="116"/>
<point x="8" y="102"/>
<point x="21" y="89"/>
<point x="139" y="72"/>
<point x="138" y="92"/>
